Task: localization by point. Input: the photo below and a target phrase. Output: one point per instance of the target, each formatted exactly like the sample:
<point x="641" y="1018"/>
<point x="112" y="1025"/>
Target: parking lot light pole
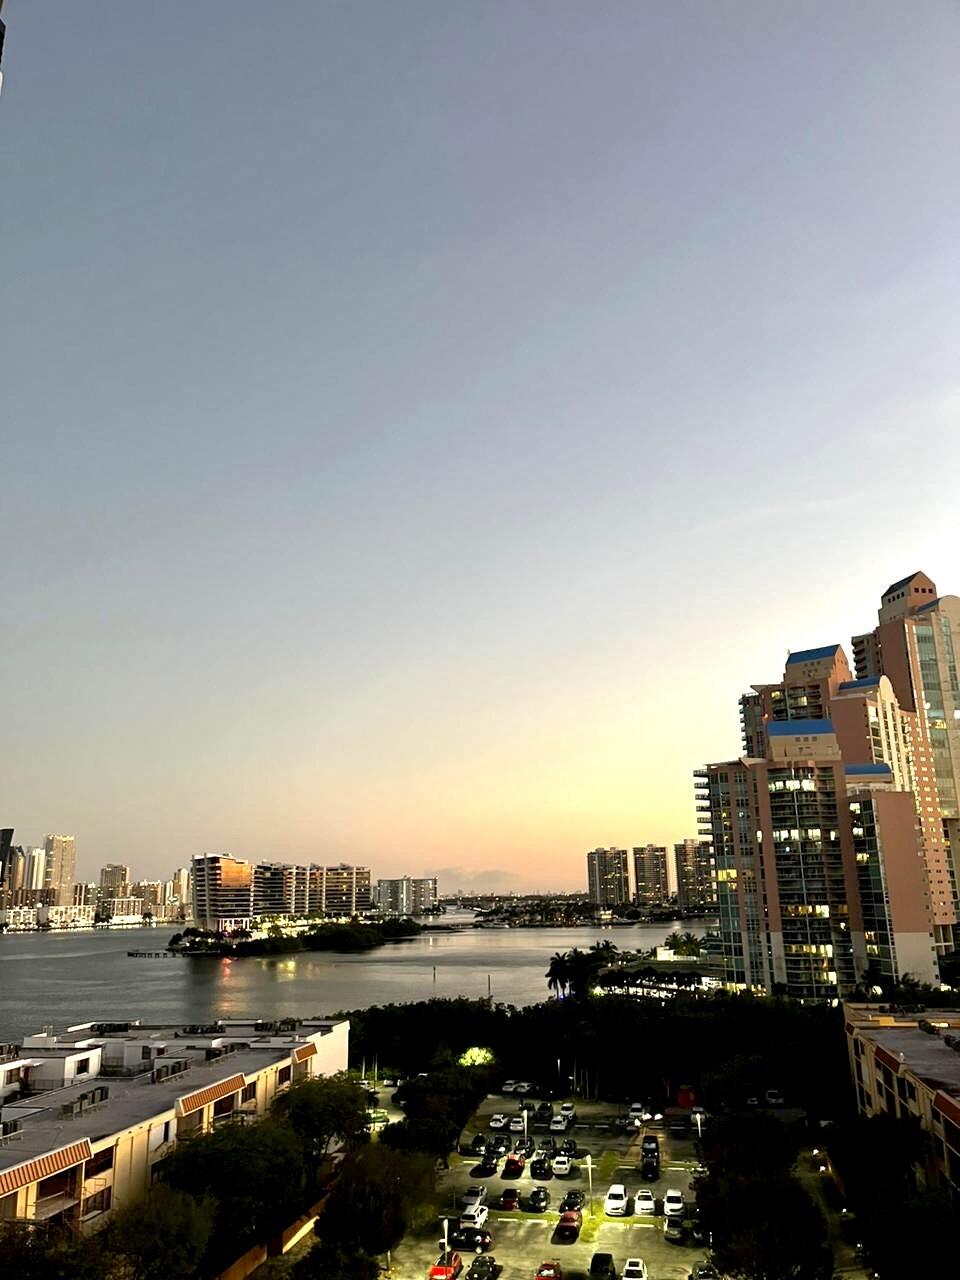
<point x="525" y="1124"/>
<point x="590" y="1181"/>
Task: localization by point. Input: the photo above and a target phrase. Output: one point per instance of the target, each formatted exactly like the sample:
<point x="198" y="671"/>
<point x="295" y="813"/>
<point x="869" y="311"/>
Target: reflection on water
<point x="60" y="979"/>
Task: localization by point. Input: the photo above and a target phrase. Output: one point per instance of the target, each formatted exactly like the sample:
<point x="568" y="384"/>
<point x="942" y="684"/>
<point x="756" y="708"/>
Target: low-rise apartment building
<point x="908" y="1064"/>
<point x="88" y="1114"/>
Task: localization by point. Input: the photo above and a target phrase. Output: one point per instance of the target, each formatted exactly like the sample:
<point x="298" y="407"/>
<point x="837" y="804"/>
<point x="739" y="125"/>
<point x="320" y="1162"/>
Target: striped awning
<point x="22" y="1175"/>
<point x="304" y="1051"/>
<point x="947" y="1106"/>
<point x="887" y="1058"/>
<point x="212" y="1093"/>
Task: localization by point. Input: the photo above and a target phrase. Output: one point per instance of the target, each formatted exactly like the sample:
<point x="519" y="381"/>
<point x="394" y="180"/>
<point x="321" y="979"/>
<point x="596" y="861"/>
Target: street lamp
<point x="699" y="1119"/>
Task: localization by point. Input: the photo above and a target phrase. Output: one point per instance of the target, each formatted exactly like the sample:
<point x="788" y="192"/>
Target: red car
<point x="514" y="1165"/>
<point x="568" y="1228"/>
<point x="510" y="1198"/>
<point x="549" y="1271"/>
<point x="448" y="1267"/>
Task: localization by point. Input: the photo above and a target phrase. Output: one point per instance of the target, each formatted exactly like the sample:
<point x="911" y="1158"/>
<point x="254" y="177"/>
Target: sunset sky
<point x="421" y="421"/>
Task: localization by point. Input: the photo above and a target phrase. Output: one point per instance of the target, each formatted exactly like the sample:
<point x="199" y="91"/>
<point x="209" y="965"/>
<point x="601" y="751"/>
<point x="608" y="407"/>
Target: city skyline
<point x="409" y="405"/>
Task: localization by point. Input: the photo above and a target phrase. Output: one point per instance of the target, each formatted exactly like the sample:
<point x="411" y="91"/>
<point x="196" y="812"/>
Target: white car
<point x="637" y="1111"/>
<point x="559" y="1124"/>
<point x="634" y="1269"/>
<point x="645" y="1202"/>
<point x="673" y="1204"/>
<point x="522" y="1087"/>
<point x="473" y="1196"/>
<point x="562" y="1166"/>
<point x="474" y="1217"/>
<point x="498" y="1121"/>
<point x="516" y="1124"/>
<point x="615" y="1201"/>
<point x="508" y="1086"/>
<point x="568" y="1110"/>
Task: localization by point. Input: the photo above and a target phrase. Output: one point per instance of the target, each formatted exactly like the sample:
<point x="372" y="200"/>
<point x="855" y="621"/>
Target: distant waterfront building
<point x="90" y="1113"/>
<point x="229" y="893"/>
<point x="817" y="844"/>
<point x="60" y="868"/>
<point x="36" y="862"/>
<point x="406" y="896"/>
<point x="222" y="891"/>
<point x="86" y="894"/>
<point x="650" y="875"/>
<point x="6" y="844"/>
<point x="115" y="880"/>
<point x="608" y="877"/>
<point x="696" y="889"/>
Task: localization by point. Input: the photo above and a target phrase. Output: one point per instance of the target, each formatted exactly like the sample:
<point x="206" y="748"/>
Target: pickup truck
<point x="447" y="1267"/>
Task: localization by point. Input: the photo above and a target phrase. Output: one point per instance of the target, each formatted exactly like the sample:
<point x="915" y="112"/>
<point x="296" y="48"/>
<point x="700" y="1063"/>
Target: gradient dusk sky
<point x="421" y="421"/>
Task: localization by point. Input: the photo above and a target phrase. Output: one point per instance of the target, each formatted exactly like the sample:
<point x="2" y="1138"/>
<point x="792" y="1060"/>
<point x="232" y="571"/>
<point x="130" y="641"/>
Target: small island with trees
<point x="276" y="940"/>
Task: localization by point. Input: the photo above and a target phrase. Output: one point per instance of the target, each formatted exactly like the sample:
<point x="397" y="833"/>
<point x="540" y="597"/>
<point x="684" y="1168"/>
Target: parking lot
<point x="524" y="1239"/>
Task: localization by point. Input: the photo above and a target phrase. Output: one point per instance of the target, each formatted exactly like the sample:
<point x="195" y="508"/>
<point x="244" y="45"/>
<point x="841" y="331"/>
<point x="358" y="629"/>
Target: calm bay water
<point x="63" y="978"/>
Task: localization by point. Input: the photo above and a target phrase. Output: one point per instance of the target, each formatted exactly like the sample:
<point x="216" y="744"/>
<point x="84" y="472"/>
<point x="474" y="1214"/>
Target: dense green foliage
<point x="880" y="1162"/>
<point x="322" y="1112"/>
<point x="763" y="1223"/>
<point x="132" y="1240"/>
<point x="692" y="1041"/>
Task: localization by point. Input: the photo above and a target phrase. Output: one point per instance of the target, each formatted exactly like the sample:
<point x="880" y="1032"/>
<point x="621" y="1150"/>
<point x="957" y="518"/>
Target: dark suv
<point x="602" y="1267"/>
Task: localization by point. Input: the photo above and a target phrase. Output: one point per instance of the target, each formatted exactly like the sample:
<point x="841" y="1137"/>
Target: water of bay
<point x="66" y="978"/>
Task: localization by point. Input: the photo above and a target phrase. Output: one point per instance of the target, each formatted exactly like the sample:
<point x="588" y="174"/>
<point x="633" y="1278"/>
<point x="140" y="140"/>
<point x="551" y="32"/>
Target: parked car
<point x="523" y="1087"/>
<point x="447" y="1267"/>
<point x="562" y="1166"/>
<point x="673" y="1204"/>
<point x="499" y="1143"/>
<point x="650" y="1168"/>
<point x="602" y="1267"/>
<point x="509" y="1198"/>
<point x="513" y="1165"/>
<point x="568" y="1228"/>
<point x="516" y="1124"/>
<point x="549" y="1145"/>
<point x="572" y="1200"/>
<point x="634" y="1269"/>
<point x="497" y="1121"/>
<point x="545" y="1111"/>
<point x="569" y="1110"/>
<point x="508" y="1086"/>
<point x="470" y="1239"/>
<point x="568" y="1147"/>
<point x="541" y="1168"/>
<point x="674" y="1230"/>
<point x="644" y="1201"/>
<point x="525" y="1148"/>
<point x="539" y="1199"/>
<point x="479" y="1145"/>
<point x="559" y="1124"/>
<point x="473" y="1195"/>
<point x="698" y="1231"/>
<point x="773" y="1098"/>
<point x="529" y="1107"/>
<point x="475" y="1216"/>
<point x="615" y="1201"/>
<point x="549" y="1271"/>
<point x="483" y="1267"/>
<point x="488" y="1166"/>
<point x="650" y="1146"/>
<point x="704" y="1271"/>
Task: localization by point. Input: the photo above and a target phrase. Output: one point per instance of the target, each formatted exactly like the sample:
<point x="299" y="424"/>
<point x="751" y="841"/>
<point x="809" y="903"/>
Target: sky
<point x="420" y="422"/>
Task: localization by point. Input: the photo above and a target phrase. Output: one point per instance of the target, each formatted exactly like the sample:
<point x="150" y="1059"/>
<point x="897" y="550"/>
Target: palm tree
<point x="558" y="974"/>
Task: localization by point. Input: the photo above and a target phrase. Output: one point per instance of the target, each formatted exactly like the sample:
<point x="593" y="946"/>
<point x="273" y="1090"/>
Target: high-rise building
<point x="796" y="870"/>
<point x="347" y="890"/>
<point x="60" y="868"/>
<point x="650" y="875"/>
<point x="6" y="844"/>
<point x="406" y="896"/>
<point x="916" y="644"/>
<point x="608" y="879"/>
<point x="693" y="860"/>
<point x="222" y="891"/>
<point x="36" y="862"/>
<point x="115" y="880"/>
